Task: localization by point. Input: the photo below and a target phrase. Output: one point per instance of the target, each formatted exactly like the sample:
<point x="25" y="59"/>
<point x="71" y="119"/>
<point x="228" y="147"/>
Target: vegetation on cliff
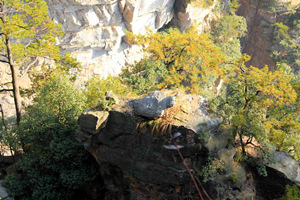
<point x="26" y="31"/>
<point x="54" y="165"/>
<point x="258" y="106"/>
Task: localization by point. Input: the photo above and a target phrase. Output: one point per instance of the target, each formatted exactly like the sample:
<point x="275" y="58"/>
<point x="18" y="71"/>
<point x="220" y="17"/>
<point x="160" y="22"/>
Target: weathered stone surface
<point x="110" y="96"/>
<point x="92" y="121"/>
<point x="187" y="15"/>
<point x="191" y="113"/>
<point x="94" y="29"/>
<point x="138" y="158"/>
<point x="288" y="166"/>
<point x="153" y="105"/>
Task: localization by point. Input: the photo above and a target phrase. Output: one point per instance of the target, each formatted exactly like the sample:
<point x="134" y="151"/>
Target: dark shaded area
<point x="257" y="43"/>
<point x="135" y="163"/>
<point x="271" y="186"/>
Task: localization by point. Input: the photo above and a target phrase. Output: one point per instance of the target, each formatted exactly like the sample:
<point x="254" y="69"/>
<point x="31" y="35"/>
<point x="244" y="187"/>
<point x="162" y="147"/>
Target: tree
<point x="286" y="37"/>
<point x="189" y="57"/>
<point x="26" y="32"/>
<point x="257" y="103"/>
<point x="54" y="165"/>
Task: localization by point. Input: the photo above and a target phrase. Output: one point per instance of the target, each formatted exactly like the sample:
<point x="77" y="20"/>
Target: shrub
<point x="291" y="193"/>
<point x="96" y="88"/>
<point x="145" y="76"/>
<point x="54" y="165"/>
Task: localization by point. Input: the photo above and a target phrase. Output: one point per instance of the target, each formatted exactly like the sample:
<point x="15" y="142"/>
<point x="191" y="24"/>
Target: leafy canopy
<point x="257" y="103"/>
<point x="28" y="24"/>
<point x="188" y="56"/>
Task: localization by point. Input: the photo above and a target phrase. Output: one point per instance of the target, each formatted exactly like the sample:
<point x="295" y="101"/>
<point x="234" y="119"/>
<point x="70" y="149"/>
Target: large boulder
<point x="144" y="153"/>
<point x="138" y="150"/>
<point x="288" y="166"/>
<point x="153" y="105"/>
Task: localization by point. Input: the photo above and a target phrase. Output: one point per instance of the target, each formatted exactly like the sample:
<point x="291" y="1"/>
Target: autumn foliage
<point x="190" y="57"/>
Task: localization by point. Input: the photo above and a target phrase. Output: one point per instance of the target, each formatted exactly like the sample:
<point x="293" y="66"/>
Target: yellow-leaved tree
<point x="260" y="108"/>
<point x="189" y="57"/>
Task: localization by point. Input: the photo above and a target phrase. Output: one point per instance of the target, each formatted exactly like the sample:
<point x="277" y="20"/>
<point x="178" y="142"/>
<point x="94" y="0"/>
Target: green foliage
<point x="269" y="5"/>
<point x="234" y="178"/>
<point x="286" y="35"/>
<point x="281" y="31"/>
<point x="258" y="103"/>
<point x="30" y="28"/>
<point x="96" y="88"/>
<point x="145" y="76"/>
<point x="226" y="32"/>
<point x="291" y="193"/>
<point x="54" y="165"/>
<point x="210" y="170"/>
<point x="201" y="3"/>
<point x="228" y="27"/>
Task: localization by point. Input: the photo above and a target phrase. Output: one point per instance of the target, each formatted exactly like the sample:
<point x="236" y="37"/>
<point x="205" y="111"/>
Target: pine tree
<point x="26" y="32"/>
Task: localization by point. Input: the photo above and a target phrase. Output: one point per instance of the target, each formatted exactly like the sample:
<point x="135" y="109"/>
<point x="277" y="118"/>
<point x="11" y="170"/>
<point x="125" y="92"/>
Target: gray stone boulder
<point x="153" y="105"/>
<point x="288" y="166"/>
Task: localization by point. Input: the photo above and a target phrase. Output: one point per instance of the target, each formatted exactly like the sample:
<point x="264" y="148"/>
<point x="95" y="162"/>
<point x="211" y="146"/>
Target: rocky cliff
<point x="259" y="42"/>
<point x="95" y="30"/>
<point x="155" y="146"/>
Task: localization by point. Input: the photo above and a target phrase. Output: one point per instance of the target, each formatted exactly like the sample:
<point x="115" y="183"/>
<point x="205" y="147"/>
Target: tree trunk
<point x="15" y="80"/>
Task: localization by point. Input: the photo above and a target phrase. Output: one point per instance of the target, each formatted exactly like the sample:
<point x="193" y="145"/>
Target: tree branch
<point x="5" y="83"/>
<point x="30" y="65"/>
<point x="6" y="90"/>
<point x="4" y="61"/>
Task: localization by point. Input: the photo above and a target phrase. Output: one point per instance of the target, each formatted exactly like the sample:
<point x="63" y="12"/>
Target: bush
<point x="96" y="88"/>
<point x="291" y="193"/>
<point x="54" y="165"/>
<point x="145" y="76"/>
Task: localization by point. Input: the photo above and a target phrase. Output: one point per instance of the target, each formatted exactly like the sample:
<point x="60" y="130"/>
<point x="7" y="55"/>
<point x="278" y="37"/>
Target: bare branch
<point x="6" y="90"/>
<point x="4" y="61"/>
<point x="30" y="65"/>
<point x="5" y="83"/>
<point x="3" y="55"/>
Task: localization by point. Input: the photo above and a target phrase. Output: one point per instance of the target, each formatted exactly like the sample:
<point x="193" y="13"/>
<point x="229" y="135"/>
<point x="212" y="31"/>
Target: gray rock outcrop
<point x="288" y="166"/>
<point x="153" y="105"/>
<point x="95" y="30"/>
<point x="139" y="160"/>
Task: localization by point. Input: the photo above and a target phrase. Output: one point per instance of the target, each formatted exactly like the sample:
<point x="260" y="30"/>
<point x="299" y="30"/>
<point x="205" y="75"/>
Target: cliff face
<point x="259" y="40"/>
<point x="147" y="147"/>
<point x="95" y="30"/>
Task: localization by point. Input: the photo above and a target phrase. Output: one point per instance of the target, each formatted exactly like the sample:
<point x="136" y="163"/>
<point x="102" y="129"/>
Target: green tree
<point x="227" y="28"/>
<point x="96" y="88"/>
<point x="145" y="76"/>
<point x="26" y="32"/>
<point x="286" y="36"/>
<point x="54" y="165"/>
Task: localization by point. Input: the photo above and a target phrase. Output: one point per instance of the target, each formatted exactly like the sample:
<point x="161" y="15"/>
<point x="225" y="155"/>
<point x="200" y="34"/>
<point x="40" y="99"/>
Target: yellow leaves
<point x="189" y="53"/>
<point x="273" y="87"/>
